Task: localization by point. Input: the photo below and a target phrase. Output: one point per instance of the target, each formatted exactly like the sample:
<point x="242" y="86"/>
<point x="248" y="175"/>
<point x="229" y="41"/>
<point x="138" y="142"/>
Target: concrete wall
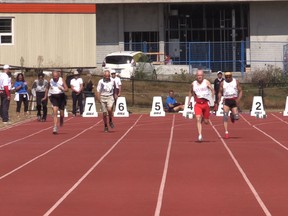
<point x="113" y="20"/>
<point x="59" y="40"/>
<point x="268" y="23"/>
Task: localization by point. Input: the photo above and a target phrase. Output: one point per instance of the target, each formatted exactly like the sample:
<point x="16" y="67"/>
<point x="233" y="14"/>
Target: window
<point x="6" y="31"/>
<point x="118" y="59"/>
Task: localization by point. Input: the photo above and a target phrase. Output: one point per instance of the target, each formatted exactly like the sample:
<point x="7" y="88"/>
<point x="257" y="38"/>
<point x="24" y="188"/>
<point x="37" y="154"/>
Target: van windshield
<point x="118" y="59"/>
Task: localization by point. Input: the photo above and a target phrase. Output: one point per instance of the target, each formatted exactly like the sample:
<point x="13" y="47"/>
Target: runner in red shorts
<point x="201" y="89"/>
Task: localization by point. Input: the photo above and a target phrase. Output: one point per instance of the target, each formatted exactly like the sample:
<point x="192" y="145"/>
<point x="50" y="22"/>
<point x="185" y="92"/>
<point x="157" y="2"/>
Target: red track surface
<point x="145" y="166"/>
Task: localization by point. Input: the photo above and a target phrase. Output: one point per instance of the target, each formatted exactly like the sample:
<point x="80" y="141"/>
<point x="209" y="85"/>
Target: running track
<point x="145" y="166"/>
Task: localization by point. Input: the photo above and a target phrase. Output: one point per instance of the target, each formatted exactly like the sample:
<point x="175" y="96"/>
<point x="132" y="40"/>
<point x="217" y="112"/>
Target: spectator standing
<point x="21" y="94"/>
<point x="40" y="86"/>
<point x="5" y="94"/>
<point x="57" y="87"/>
<point x="88" y="87"/>
<point x="171" y="104"/>
<point x="9" y="85"/>
<point x="168" y="60"/>
<point x="201" y="90"/>
<point x="105" y="91"/>
<point x="77" y="97"/>
<point x="217" y="82"/>
<point x="118" y="84"/>
<point x="232" y="93"/>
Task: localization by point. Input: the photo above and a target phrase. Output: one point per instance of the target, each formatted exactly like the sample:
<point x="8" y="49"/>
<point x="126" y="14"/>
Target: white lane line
<point x="25" y="137"/>
<point x="45" y="153"/>
<point x="248" y="182"/>
<point x="164" y="176"/>
<point x="279" y="118"/>
<point x="273" y="139"/>
<point x="89" y="171"/>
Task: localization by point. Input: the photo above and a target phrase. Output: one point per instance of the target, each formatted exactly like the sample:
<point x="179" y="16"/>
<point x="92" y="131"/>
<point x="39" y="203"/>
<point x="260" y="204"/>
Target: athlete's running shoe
<point x="106" y="129"/>
<point x="111" y="124"/>
<point x="200" y="138"/>
<point x="55" y="130"/>
<point x="226" y="135"/>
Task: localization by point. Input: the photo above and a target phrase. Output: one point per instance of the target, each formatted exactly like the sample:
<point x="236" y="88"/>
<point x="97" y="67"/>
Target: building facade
<point x="220" y="35"/>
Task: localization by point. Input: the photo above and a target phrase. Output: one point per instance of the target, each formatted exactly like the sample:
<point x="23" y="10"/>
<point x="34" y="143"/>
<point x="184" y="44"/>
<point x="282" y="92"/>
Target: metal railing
<point x="239" y="56"/>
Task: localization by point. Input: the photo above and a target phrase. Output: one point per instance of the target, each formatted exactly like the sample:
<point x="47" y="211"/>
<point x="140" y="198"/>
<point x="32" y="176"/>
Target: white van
<point x="127" y="63"/>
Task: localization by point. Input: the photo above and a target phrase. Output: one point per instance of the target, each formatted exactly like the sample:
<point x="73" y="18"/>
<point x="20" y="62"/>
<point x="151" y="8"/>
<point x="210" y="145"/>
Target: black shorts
<point x="231" y="103"/>
<point x="58" y="100"/>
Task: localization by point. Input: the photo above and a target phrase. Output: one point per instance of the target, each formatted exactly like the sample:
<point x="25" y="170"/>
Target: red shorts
<point x="202" y="109"/>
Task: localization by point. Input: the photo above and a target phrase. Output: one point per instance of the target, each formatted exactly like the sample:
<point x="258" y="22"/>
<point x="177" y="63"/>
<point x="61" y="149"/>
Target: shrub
<point x="268" y="75"/>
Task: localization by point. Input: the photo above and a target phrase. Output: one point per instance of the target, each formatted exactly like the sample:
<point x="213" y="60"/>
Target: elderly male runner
<point x="201" y="89"/>
<point x="231" y="91"/>
<point x="105" y="91"/>
<point x="57" y="87"/>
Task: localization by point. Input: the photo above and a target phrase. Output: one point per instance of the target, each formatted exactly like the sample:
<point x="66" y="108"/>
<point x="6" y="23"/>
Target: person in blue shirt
<point x="22" y="95"/>
<point x="171" y="104"/>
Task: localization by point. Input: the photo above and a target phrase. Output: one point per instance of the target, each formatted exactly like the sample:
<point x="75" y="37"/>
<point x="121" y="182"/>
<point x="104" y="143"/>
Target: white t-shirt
<point x="201" y="89"/>
<point x="230" y="89"/>
<point x="105" y="88"/>
<point x="76" y="83"/>
<point x="117" y="81"/>
<point x="4" y="81"/>
<point x="54" y="86"/>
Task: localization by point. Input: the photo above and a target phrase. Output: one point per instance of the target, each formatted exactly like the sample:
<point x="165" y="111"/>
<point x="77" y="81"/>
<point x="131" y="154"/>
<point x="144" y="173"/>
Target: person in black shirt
<point x="40" y="86"/>
<point x="217" y="82"/>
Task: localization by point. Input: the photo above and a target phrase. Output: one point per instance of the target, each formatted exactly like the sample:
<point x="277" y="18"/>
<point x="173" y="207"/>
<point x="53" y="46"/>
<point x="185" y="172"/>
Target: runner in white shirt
<point x="231" y="91"/>
<point x="105" y="92"/>
<point x="201" y="89"/>
<point x="57" y="87"/>
<point x="77" y="97"/>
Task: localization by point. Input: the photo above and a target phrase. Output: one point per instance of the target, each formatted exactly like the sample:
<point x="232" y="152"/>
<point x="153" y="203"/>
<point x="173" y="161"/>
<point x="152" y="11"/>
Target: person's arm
<point x="114" y="90"/>
<point x="169" y="102"/>
<point x="190" y="94"/>
<point x="46" y="91"/>
<point x="34" y="85"/>
<point x="81" y="86"/>
<point x="98" y="89"/>
<point x="120" y="88"/>
<point x="6" y="89"/>
<point x="17" y="86"/>
<point x="65" y="86"/>
<point x="240" y="92"/>
<point x="211" y="89"/>
<point x="215" y="86"/>
<point x="220" y="92"/>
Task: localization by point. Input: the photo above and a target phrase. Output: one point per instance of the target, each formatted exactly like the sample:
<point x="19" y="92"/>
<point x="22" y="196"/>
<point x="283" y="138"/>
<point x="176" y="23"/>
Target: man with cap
<point x="217" y="82"/>
<point x="5" y="82"/>
<point x="40" y="86"/>
<point x="117" y="91"/>
<point x="77" y="97"/>
<point x="231" y="91"/>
